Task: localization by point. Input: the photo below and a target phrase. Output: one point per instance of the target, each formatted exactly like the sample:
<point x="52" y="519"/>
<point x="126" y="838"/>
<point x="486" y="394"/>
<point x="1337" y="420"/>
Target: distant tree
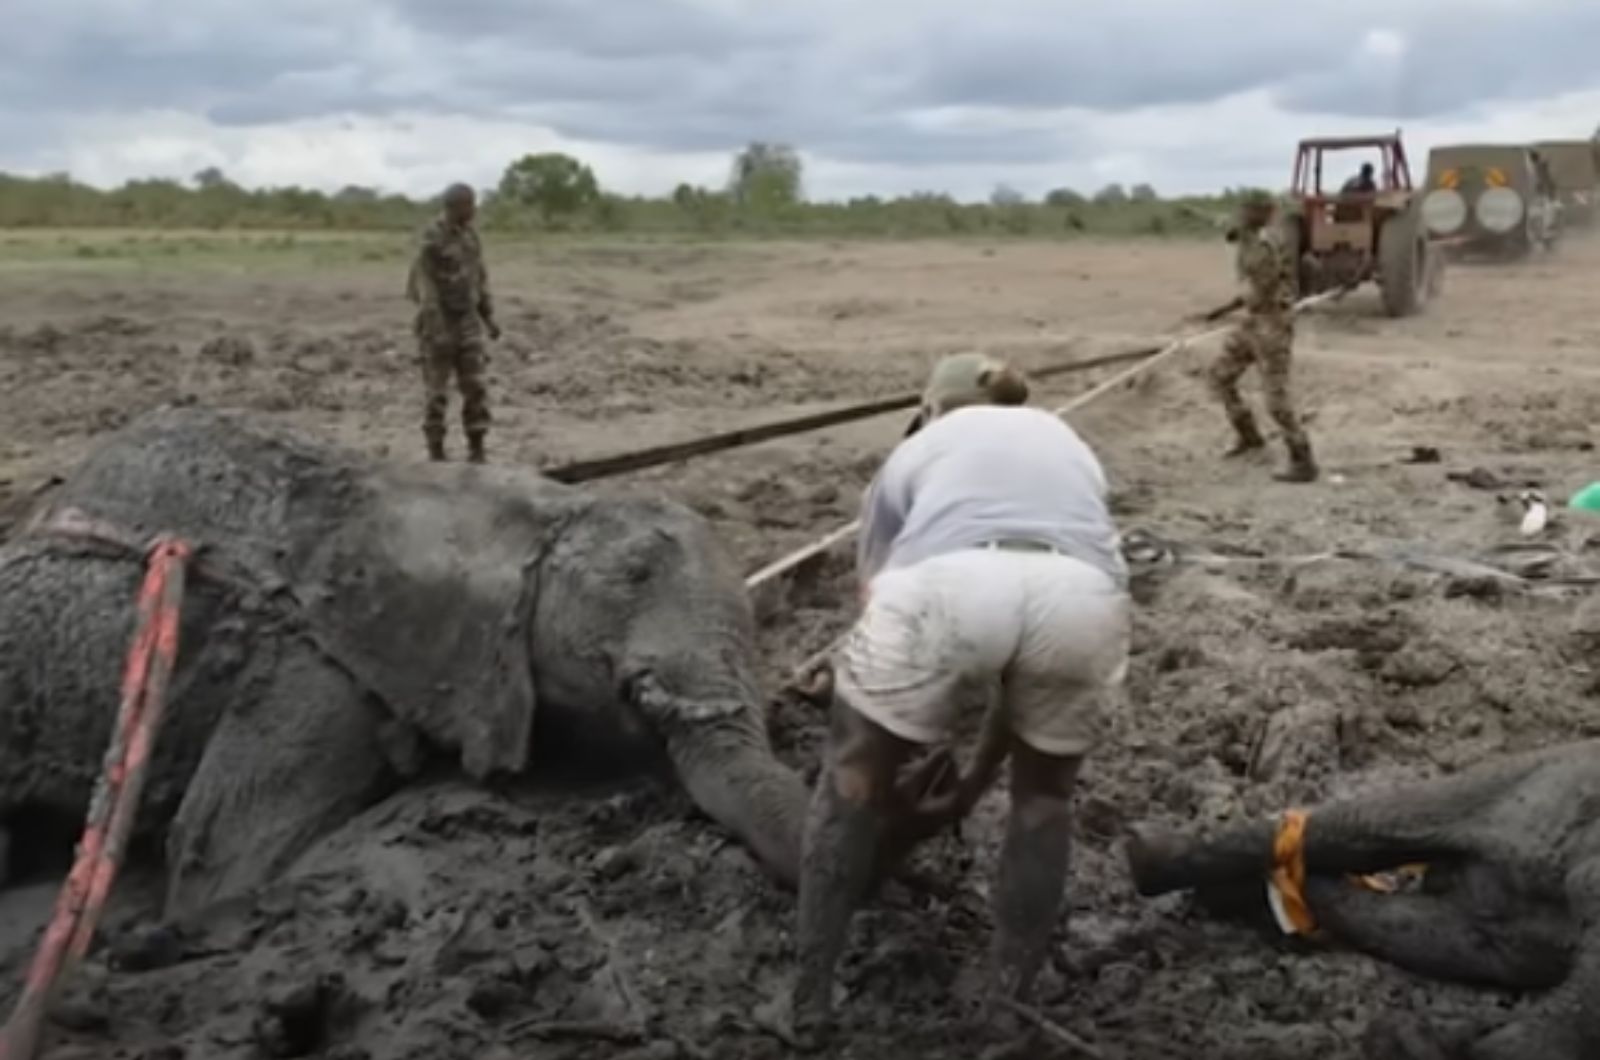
<point x="766" y="177"/>
<point x="1064" y="197"/>
<point x="1110" y="194"/>
<point x="355" y="193"/>
<point x="1006" y="195"/>
<point x="1143" y="193"/>
<point x="211" y="178"/>
<point x="555" y="185"/>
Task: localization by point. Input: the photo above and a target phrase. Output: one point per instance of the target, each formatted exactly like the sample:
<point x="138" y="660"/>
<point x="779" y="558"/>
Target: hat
<point x="970" y="379"/>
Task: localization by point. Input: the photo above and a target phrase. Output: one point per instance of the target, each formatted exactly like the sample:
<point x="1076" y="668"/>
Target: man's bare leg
<point x="851" y="815"/>
<point x="1033" y="866"/>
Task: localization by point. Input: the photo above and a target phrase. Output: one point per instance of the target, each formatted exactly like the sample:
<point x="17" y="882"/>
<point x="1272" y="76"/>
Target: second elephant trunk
<point x="1339" y="838"/>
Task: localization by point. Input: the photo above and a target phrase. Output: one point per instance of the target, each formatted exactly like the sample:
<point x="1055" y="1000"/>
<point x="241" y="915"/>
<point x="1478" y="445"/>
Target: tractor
<point x="1348" y="234"/>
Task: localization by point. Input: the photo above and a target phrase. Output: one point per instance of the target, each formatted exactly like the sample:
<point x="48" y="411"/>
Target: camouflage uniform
<point x="450" y="285"/>
<point x="1264" y="338"/>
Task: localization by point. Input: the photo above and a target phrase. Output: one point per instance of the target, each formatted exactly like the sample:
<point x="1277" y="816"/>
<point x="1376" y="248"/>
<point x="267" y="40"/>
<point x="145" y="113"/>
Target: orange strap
<point x="1289" y="872"/>
<point x="1289" y="875"/>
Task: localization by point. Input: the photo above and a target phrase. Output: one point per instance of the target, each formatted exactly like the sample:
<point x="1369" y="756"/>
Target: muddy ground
<point x="452" y="922"/>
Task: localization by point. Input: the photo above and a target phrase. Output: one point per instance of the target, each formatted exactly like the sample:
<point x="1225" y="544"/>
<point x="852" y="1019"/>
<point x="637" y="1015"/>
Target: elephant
<point x="350" y="622"/>
<point x="1510" y="895"/>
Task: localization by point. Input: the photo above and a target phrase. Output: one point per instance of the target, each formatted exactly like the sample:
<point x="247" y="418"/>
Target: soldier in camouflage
<point x="450" y="285"/>
<point x="1264" y="338"/>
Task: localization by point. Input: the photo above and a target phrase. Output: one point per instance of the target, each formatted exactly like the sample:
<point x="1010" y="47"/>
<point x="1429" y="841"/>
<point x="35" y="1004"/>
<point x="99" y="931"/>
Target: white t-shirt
<point x="983" y="473"/>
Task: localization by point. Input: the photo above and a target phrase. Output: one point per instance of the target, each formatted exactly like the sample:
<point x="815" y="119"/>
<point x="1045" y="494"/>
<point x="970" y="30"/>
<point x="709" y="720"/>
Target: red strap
<point x="116" y="797"/>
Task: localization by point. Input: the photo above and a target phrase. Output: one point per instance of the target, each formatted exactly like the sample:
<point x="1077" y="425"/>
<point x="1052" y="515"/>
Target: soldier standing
<point x="1264" y="338"/>
<point x="450" y="285"/>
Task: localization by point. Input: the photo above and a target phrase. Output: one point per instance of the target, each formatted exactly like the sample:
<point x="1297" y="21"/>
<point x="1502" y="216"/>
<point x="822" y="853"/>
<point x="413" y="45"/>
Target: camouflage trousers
<point x="464" y="357"/>
<point x="1267" y="343"/>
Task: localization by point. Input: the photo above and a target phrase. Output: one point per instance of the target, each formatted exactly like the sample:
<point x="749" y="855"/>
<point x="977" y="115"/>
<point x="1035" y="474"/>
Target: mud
<point x="451" y="921"/>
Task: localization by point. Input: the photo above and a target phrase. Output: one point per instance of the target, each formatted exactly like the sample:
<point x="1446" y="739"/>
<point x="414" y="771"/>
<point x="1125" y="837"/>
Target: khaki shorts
<point x="1044" y="634"/>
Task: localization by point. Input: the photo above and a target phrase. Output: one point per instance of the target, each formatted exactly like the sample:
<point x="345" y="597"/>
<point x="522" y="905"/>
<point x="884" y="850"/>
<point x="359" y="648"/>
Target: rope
<point x="116" y="797"/>
<point x="674" y="452"/>
<point x="787" y="563"/>
<point x="797" y="557"/>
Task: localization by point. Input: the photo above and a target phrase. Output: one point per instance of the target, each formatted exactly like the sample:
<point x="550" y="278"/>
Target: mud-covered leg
<point x="1369" y="833"/>
<point x="435" y="354"/>
<point x="283" y="768"/>
<point x="1033" y="866"/>
<point x="470" y="373"/>
<point x="1565" y="1023"/>
<point x="1277" y="341"/>
<point x="850" y="816"/>
<point x="1238" y="354"/>
<point x="1442" y="936"/>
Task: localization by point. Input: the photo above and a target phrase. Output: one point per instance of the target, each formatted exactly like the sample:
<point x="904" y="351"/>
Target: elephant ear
<point x="428" y="599"/>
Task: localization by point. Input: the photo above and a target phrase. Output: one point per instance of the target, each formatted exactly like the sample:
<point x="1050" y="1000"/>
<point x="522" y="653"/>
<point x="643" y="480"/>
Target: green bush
<point x="555" y="193"/>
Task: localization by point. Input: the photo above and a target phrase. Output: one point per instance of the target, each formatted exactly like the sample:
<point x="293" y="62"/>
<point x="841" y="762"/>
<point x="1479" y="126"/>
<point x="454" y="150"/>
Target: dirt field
<point x="451" y="922"/>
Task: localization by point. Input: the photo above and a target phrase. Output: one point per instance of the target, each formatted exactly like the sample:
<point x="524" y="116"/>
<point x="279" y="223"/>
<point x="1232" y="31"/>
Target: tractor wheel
<point x="1403" y="265"/>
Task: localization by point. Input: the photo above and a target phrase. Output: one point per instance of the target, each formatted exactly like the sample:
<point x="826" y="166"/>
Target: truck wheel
<point x="1402" y="265"/>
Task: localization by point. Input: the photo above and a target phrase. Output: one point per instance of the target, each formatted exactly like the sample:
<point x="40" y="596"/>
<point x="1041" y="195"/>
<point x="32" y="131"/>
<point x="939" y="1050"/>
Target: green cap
<point x="1256" y="198"/>
<point x="972" y="378"/>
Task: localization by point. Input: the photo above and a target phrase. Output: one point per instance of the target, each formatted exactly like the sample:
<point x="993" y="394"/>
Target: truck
<point x="1496" y="199"/>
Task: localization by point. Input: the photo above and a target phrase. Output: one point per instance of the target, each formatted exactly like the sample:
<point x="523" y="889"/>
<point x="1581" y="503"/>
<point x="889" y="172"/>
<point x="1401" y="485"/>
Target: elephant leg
<point x="1368" y="833"/>
<point x="1565" y="1023"/>
<point x="1443" y="936"/>
<point x="282" y="769"/>
<point x="5" y="855"/>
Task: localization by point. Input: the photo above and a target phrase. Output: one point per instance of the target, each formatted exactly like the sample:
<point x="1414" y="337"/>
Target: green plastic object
<point x="1587" y="499"/>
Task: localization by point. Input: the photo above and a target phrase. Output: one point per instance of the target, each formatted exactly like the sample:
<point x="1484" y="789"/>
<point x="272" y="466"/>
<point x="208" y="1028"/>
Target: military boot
<point x="1248" y="435"/>
<point x="435" y="447"/>
<point x="1302" y="466"/>
<point x="475" y="448"/>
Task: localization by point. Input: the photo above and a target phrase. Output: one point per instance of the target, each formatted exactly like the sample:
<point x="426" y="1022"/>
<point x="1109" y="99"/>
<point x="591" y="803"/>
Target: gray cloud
<point x="857" y="82"/>
<point x="1460" y="58"/>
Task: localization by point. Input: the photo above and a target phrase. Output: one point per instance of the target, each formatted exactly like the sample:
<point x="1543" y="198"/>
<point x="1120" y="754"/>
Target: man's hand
<point x="494" y="330"/>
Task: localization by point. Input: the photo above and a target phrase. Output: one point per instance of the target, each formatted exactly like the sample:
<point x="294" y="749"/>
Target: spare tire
<point x="1402" y="264"/>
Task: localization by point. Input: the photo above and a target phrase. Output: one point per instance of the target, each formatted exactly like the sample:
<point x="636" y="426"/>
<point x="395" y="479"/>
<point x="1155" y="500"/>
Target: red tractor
<point x="1362" y="229"/>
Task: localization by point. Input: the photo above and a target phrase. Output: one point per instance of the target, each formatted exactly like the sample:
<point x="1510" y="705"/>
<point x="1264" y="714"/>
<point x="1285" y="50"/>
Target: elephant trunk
<point x="727" y="766"/>
<point x="1339" y="838"/>
<point x="1162" y="862"/>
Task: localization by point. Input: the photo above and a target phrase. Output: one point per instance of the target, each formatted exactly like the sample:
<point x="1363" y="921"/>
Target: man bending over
<point x="990" y="569"/>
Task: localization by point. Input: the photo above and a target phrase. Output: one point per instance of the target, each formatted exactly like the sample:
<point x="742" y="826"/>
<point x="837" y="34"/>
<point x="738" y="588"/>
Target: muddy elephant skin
<point x="1511" y="896"/>
<point x="344" y="615"/>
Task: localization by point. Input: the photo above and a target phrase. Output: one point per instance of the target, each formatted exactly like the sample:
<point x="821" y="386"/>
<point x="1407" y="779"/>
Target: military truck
<point x="1574" y="167"/>
<point x="1491" y="198"/>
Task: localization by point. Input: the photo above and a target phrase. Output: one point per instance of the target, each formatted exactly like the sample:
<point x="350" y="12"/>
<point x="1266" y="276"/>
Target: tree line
<point x="764" y="194"/>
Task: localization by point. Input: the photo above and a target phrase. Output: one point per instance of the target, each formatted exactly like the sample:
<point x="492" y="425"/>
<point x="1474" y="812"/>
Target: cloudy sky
<point x="881" y="96"/>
